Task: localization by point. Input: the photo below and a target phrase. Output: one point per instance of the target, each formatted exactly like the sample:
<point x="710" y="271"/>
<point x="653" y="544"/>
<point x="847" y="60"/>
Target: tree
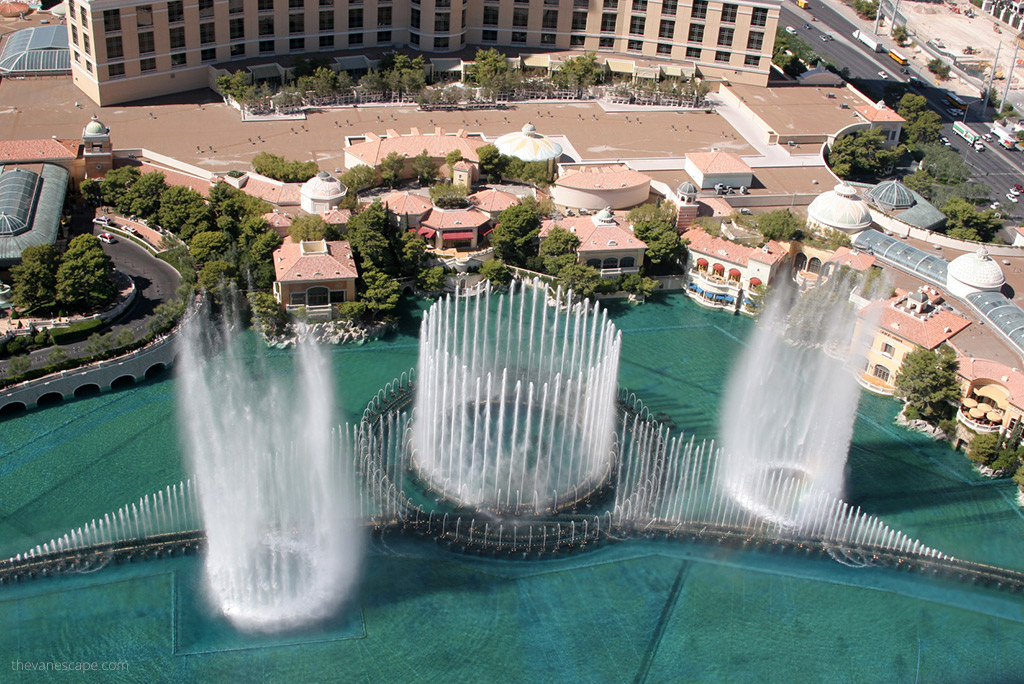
<point x="984" y="448"/>
<point x="208" y="244"/>
<point x="581" y="279"/>
<point x="310" y="227"/>
<point x="115" y="184"/>
<point x="636" y="284"/>
<point x="451" y="159"/>
<point x="234" y="85"/>
<point x="216" y="275"/>
<point x="579" y="72"/>
<point x="655" y="224"/>
<point x="391" y="168"/>
<point x="409" y="253"/>
<point x="867" y="9"/>
<point x="279" y="168"/>
<point x="34" y="280"/>
<point x="558" y="249"/>
<point x="370" y="235"/>
<point x="91" y="191"/>
<point x="448" y="196"/>
<point x="84" y="278"/>
<point x="143" y="196"/>
<point x="790" y="64"/>
<point x="381" y="294"/>
<point x="359" y="177"/>
<point x="912" y="106"/>
<point x="491" y="162"/>
<point x="900" y="35"/>
<point x="863" y="153"/>
<point x="184" y="212"/>
<point x="923" y="127"/>
<point x="920" y="181"/>
<point x="491" y="72"/>
<point x="431" y="279"/>
<point x="496" y="272"/>
<point x="781" y="225"/>
<point x="944" y="164"/>
<point x="967" y="223"/>
<point x="927" y="382"/>
<point x="424" y="169"/>
<point x="18" y="365"/>
<point x="939" y="68"/>
<point x="266" y="312"/>
<point x="517" y="227"/>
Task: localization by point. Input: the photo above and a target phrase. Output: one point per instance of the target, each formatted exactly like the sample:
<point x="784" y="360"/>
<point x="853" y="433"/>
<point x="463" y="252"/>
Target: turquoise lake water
<point x="633" y="611"/>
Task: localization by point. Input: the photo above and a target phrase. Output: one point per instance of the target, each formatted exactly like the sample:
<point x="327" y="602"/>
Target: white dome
<point x="528" y="145"/>
<point x="841" y="208"/>
<point x="977" y="271"/>
<point x="324" y="187"/>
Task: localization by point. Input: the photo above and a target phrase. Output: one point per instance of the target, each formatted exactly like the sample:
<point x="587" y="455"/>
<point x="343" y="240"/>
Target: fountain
<point x="514" y="407"/>
<point x="283" y="546"/>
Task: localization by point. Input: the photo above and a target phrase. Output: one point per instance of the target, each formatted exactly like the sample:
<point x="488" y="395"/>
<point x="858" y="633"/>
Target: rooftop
<point x="43" y="149"/>
<point x="858" y="261"/>
<point x="493" y="201"/>
<point x="30" y="206"/>
<point x="372" y="148"/>
<point x="928" y="330"/>
<point x="596" y="235"/>
<point x="718" y="161"/>
<point x="601" y="177"/>
<point x="406" y="202"/>
<point x="311" y="261"/>
<point x="802" y="110"/>
<point x="701" y="242"/>
<point x="35" y="51"/>
<point x="455" y="219"/>
<point x="973" y="369"/>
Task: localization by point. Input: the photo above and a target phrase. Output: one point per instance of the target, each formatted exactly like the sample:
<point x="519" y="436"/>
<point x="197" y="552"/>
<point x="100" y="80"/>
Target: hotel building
<point x="123" y="50"/>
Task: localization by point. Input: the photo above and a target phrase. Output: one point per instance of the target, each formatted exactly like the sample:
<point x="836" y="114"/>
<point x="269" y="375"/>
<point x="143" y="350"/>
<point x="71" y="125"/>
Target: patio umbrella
<point x="995" y="416"/>
<point x="985" y="408"/>
<point x="976" y="413"/>
<point x="970" y="402"/>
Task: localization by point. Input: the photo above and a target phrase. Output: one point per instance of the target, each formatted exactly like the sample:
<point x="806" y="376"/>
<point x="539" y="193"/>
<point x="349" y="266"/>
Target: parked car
<point x="1014" y="191"/>
<point x="1012" y="197"/>
<point x="107" y="237"/>
<point x="790" y="30"/>
<point x="1018" y="187"/>
<point x="904" y="70"/>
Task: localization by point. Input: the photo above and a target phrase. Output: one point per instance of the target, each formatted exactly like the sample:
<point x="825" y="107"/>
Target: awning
<point x="648" y="72"/>
<point x="264" y="71"/>
<point x="997" y="392"/>
<point x="754" y="282"/>
<point x="439" y="64"/>
<point x="426" y="232"/>
<point x="734" y="272"/>
<point x="537" y="61"/>
<point x="620" y="66"/>
<point x="970" y="402"/>
<point x="678" y="70"/>
<point x="702" y="262"/>
<point x="352" y="62"/>
<point x="718" y="268"/>
<point x="459" y="235"/>
<point x="487" y="231"/>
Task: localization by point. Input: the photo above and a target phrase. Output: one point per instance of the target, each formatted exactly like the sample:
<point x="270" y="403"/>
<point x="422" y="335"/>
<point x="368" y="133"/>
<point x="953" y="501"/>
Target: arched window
<point x="800" y="261"/>
<point x="882" y="373"/>
<point x="317" y="296"/>
<point x="814" y="265"/>
<point x="627" y="262"/>
<point x="610" y="262"/>
<point x="595" y="263"/>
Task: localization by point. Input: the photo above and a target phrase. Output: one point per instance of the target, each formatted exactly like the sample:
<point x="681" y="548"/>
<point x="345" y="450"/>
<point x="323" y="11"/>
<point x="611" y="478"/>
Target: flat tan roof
<point x="801" y="110"/>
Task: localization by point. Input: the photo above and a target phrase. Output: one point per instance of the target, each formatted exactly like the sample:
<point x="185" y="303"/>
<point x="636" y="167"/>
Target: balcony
<point x="719" y="284"/>
<point x="313" y="313"/>
<point x="968" y="416"/>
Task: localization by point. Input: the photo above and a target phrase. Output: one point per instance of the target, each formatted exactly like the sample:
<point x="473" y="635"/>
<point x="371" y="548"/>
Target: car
<point x="790" y="30"/>
<point x="1012" y="198"/>
<point x="905" y="70"/>
<point x="915" y="83"/>
<point x="882" y="74"/>
<point x="826" y="37"/>
<point x="945" y="141"/>
<point x="107" y="237"/>
<point x="1014" y="191"/>
<point x="807" y="26"/>
<point x="979" y="146"/>
<point x="987" y="137"/>
<point x="955" y="113"/>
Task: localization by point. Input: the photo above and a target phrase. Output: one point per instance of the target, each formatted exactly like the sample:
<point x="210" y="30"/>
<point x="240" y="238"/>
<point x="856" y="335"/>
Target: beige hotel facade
<point x="124" y="50"/>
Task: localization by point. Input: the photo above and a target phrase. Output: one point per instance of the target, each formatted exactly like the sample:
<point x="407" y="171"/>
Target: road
<point x="995" y="166"/>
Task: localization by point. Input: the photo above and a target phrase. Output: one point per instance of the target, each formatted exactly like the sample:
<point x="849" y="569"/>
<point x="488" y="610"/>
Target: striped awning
<point x="620" y="66"/>
<point x="537" y="61"/>
<point x="459" y="235"/>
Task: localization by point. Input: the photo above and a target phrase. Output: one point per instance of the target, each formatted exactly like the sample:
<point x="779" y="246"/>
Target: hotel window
<point x="175" y="11"/>
<point x="326" y="42"/>
<point x="608" y="23"/>
<point x="177" y="37"/>
<point x="664" y="49"/>
<point x="147" y="64"/>
<point x="441" y="43"/>
<point x="178" y="60"/>
<point x="236" y="29"/>
<point x="355" y="39"/>
<point x="550" y="19"/>
<point x="667" y="29"/>
<point x="207" y="33"/>
<point x="144" y="15"/>
<point x="236" y="6"/>
<point x="111" y="20"/>
<point x="519" y="36"/>
<point x="442" y="22"/>
<point x="205" y="9"/>
<point x="296" y="4"/>
<point x="115" y="70"/>
<point x="577" y="41"/>
<point x="384" y="16"/>
<point x="78" y="58"/>
<point x="579" y="21"/>
<point x="88" y="66"/>
<point x="520" y="16"/>
<point x="489" y="36"/>
<point x="725" y="35"/>
<point x="414" y="18"/>
<point x="266" y="26"/>
<point x="668" y="8"/>
<point x="721" y="56"/>
<point x="522" y="2"/>
<point x="442" y="3"/>
<point x="882" y="373"/>
<point x="490" y="16"/>
<point x="700" y="9"/>
<point x="327" y="3"/>
<point x="759" y="17"/>
<point x="696" y="33"/>
<point x="146" y="43"/>
<point x="383" y="37"/>
<point x="71" y="8"/>
<point x="266" y="46"/>
<point x="296" y="44"/>
<point x="635" y="45"/>
<point x="86" y="46"/>
<point x="296" y="23"/>
<point x="729" y="13"/>
<point x="752" y="60"/>
<point x="355" y="18"/>
<point x="639" y="5"/>
<point x="74" y="34"/>
<point x="636" y="25"/>
<point x="265" y="5"/>
<point x="693" y="53"/>
<point x="755" y="40"/>
<point x="581" y="4"/>
<point x="551" y="3"/>
<point x="888" y="349"/>
<point x="606" y="44"/>
<point x="547" y="39"/>
<point x="115" y="48"/>
<point x="208" y="55"/>
<point x="611" y="4"/>
<point x="84" y="18"/>
<point x="327" y="21"/>
<point x="238" y="50"/>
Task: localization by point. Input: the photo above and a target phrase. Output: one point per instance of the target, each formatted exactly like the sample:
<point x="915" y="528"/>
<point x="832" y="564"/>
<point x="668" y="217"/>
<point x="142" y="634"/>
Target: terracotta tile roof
<point x="402" y="203"/>
<point x="702" y="243"/>
<point x="596" y="238"/>
<point x="200" y="185"/>
<point x="603" y="177"/>
<point x="493" y="201"/>
<point x="716" y="206"/>
<point x="43" y="149"/>
<point x="455" y="219"/>
<point x="437" y="145"/>
<point x="463" y="165"/>
<point x="928" y="331"/>
<point x="337" y="217"/>
<point x="276" y="219"/>
<point x="718" y="162"/>
<point x="872" y="113"/>
<point x="275" y="192"/>
<point x="290" y="265"/>
<point x="972" y="369"/>
<point x="858" y="261"/>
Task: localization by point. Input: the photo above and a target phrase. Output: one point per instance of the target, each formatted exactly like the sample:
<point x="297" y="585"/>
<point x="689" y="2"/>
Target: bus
<point x="898" y="58"/>
<point x="956" y="101"/>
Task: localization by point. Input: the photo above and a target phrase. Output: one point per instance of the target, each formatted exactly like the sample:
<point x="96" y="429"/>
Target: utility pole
<point x="878" y="15"/>
<point x="991" y="78"/>
<point x="1009" y="77"/>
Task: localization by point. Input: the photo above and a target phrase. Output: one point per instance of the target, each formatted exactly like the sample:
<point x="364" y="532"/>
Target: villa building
<point x="314" y="274"/>
<point x="908" y="321"/>
<point x="455" y="228"/>
<point x="493" y="201"/>
<point x="406" y="209"/>
<point x="992" y="396"/>
<point x="607" y="242"/>
<point x="370" y="149"/>
<point x="721" y="273"/>
<point x="123" y="51"/>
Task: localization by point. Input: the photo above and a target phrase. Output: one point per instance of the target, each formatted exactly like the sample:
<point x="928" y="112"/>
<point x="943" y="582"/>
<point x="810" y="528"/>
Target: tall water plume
<point x="283" y="541"/>
<point x="515" y="399"/>
<point x="790" y="407"/>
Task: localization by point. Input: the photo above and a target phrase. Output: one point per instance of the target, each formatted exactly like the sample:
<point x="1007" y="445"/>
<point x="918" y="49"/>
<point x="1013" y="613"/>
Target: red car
<point x="106" y="237"/>
<point x="1018" y="187"/>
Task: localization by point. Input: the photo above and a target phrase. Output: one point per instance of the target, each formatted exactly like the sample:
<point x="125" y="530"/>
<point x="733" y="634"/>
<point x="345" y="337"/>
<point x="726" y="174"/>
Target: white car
<point x="882" y="74"/>
<point x="790" y="30"/>
<point x="1015" y="192"/>
<point x="106" y="237"/>
<point x="825" y="37"/>
<point x="979" y="146"/>
<point x="987" y="137"/>
<point x="1011" y="197"/>
<point x="955" y="113"/>
<point x="945" y="141"/>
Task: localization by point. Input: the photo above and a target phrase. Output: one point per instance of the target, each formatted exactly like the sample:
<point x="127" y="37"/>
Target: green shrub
<point x="42" y="338"/>
<point x="15" y="346"/>
<point x="76" y="331"/>
<point x="911" y="413"/>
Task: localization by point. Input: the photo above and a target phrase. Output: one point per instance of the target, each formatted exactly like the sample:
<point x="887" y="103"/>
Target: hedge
<point x="76" y="331"/>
